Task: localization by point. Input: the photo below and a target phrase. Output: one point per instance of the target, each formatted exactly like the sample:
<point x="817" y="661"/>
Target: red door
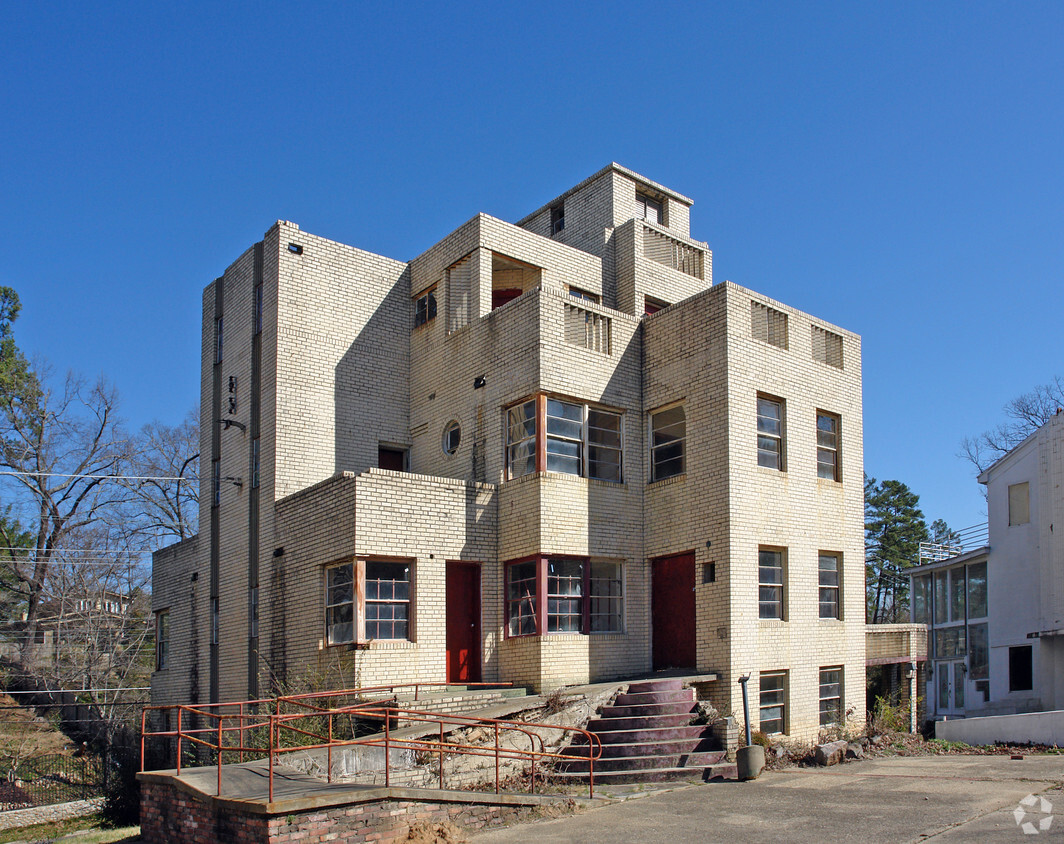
<point x="673" y="608"/>
<point x="463" y="623"/>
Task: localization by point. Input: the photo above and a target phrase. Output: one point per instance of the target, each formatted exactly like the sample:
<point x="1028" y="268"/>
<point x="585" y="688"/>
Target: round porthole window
<point x="452" y="436"/>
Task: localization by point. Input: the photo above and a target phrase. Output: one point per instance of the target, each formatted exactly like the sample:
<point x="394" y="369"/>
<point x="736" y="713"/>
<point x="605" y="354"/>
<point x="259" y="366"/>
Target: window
<point x="387" y="600"/>
<point x="950" y="642"/>
<point x="340" y="604"/>
<point x="218" y="340"/>
<point x="162" y="640"/>
<point x="253" y="611"/>
<point x="648" y="208"/>
<point x="977" y="606"/>
<point x="521" y="598"/>
<point x="1021" y="675"/>
<point x="921" y="600"/>
<point x="941" y="602"/>
<point x="652" y="305"/>
<point x="391" y="458"/>
<point x="384" y="613"/>
<point x="829" y="586"/>
<point x="1019" y="504"/>
<point x="770" y="583"/>
<point x="830" y="696"/>
<point x="773" y="704"/>
<point x="578" y="440"/>
<point x="827" y="446"/>
<point x="255" y="463"/>
<point x="827" y="347"/>
<point x="557" y="218"/>
<point x="957" y="594"/>
<point x="564" y="595"/>
<point x="607" y="597"/>
<point x="768" y="325"/>
<point x="668" y="432"/>
<point x="978" y="652"/>
<point x="258" y="308"/>
<point x="521" y="439"/>
<point x="460" y="308"/>
<point x="216" y="482"/>
<point x="425" y="307"/>
<point x="769" y="433"/>
<point x="577" y="293"/>
<point x="452" y="437"/>
<point x="215" y="620"/>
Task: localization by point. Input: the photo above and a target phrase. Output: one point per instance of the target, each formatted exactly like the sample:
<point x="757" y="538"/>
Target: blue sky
<point x="896" y="168"/>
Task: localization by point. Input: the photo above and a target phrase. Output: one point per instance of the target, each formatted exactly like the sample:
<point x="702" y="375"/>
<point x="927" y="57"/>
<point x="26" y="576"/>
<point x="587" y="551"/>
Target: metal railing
<point x="315" y="728"/>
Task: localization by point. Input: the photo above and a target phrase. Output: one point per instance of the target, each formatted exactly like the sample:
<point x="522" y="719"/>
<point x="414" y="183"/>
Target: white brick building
<point x="550" y="453"/>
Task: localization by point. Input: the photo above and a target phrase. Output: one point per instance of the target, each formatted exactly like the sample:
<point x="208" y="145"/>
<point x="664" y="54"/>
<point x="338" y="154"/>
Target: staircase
<point x="647" y="736"/>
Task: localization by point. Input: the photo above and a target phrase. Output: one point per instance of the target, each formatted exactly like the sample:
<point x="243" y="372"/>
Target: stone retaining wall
<point x="17" y="818"/>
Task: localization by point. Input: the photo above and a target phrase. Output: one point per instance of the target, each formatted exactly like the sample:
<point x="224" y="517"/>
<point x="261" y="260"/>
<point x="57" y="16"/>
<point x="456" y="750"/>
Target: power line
<point x="97" y="477"/>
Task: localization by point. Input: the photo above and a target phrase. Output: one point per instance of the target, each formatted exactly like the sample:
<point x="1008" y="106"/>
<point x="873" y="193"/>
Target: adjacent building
<point x="549" y="452"/>
<point x="996" y="614"/>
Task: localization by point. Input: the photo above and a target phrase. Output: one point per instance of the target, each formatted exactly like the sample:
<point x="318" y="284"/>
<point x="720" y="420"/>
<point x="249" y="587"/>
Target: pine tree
<point x="894" y="529"/>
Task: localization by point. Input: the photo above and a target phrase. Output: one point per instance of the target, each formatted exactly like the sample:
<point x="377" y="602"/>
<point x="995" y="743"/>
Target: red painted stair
<point x="647" y="736"/>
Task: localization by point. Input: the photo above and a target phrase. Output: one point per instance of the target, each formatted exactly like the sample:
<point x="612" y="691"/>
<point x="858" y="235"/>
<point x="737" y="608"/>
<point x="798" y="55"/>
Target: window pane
<point x="921" y="594"/>
<point x="941" y="600"/>
<point x="957" y="593"/>
<point x="978" y="652"/>
<point x="977" y="591"/>
<point x="668" y="429"/>
<point x="607" y="608"/>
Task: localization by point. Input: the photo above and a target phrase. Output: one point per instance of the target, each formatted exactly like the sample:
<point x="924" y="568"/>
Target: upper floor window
<point x="258" y="308"/>
<point x="578" y="440"/>
<point x="827" y="446"/>
<point x="425" y="307"/>
<point x="649" y="208"/>
<point x="577" y="293"/>
<point x="668" y="434"/>
<point x="563" y="608"/>
<point x="770" y="583"/>
<point x="162" y="640"/>
<point x="1019" y="503"/>
<point x="557" y="218"/>
<point x="769" y="433"/>
<point x="828" y="576"/>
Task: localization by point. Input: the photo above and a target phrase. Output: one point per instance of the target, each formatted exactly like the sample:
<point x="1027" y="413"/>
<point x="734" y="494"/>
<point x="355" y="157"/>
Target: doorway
<point x="463" y="622"/>
<point x="673" y="611"/>
<point x="949" y="686"/>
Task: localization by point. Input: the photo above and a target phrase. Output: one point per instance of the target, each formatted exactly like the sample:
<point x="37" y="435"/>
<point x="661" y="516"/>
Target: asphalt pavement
<point x="938" y="798"/>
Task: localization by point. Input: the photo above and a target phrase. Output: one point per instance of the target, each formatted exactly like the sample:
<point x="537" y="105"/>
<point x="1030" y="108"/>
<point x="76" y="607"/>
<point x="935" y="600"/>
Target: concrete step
<point x="641" y="722"/>
<point x="651" y="735"/>
<point x="644" y="763"/>
<point x="667" y="696"/>
<point x="610" y="711"/>
<point x="723" y="770"/>
<point x="699" y="744"/>
<point x="655" y="686"/>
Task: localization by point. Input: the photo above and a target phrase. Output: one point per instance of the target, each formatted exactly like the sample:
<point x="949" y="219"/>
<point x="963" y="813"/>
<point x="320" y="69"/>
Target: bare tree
<point x="161" y="507"/>
<point x="1025" y="414"/>
<point x="60" y="445"/>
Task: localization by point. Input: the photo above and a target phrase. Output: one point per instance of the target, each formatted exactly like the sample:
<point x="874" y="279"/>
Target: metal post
<point x="143" y="721"/>
<point x="329" y="778"/>
<point x="179" y="741"/>
<point x="387" y="752"/>
<point x="220" y="717"/>
<point x="441" y="755"/>
<point x="271" y="718"/>
<point x="746" y="709"/>
<point x="496" y="757"/>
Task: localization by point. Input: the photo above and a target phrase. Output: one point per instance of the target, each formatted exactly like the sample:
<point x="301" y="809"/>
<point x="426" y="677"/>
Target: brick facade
<point x="348" y="361"/>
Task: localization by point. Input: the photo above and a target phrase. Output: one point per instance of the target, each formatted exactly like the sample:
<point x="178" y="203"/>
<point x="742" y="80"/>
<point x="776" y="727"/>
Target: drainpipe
<point x="746" y="709"/>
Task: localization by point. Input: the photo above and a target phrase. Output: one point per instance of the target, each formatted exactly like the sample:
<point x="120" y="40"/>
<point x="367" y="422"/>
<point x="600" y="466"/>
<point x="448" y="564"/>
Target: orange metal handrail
<point x="276" y="722"/>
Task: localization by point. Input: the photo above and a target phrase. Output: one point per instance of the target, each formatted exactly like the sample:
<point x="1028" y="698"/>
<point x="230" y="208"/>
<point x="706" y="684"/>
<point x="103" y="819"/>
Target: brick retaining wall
<point x="172" y="814"/>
